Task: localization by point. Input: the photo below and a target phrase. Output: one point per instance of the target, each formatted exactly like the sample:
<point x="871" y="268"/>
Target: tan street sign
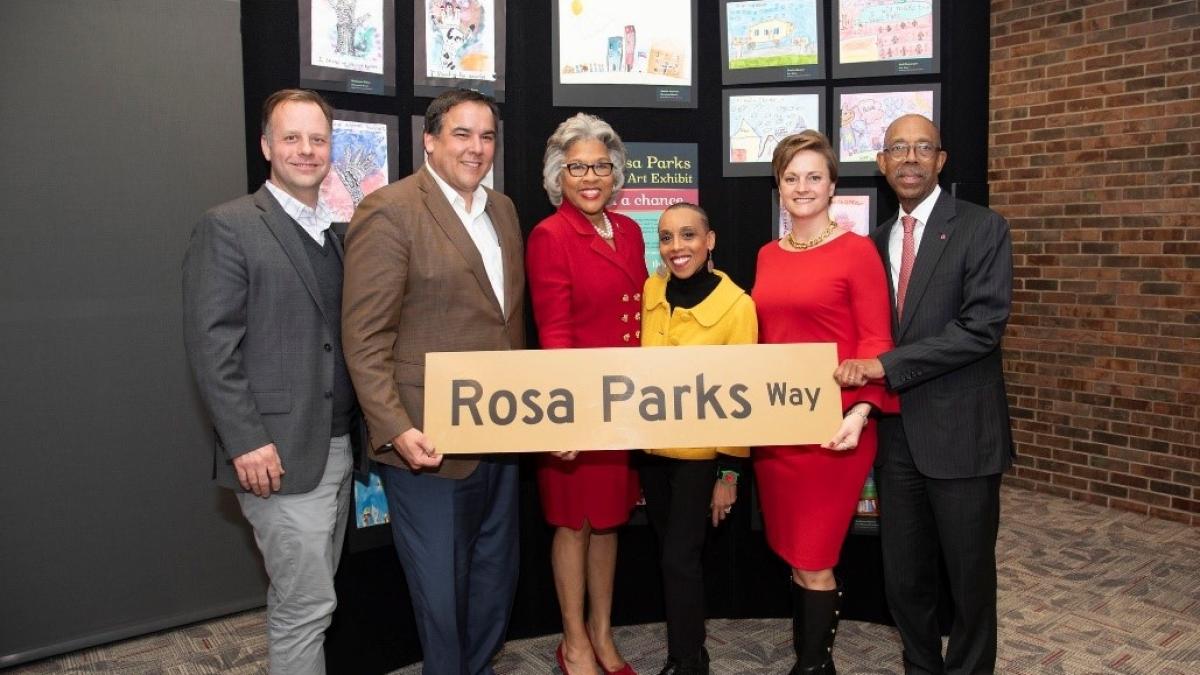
<point x="653" y="397"/>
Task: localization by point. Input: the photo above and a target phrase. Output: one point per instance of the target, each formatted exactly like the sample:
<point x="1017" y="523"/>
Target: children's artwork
<point x="622" y="53"/>
<point x="494" y="178"/>
<point x="885" y="37"/>
<point x="364" y="159"/>
<point x="370" y="503"/>
<point x="657" y="175"/>
<point x="348" y="45"/>
<point x="864" y="114"/>
<point x="771" y="40"/>
<point x="757" y="119"/>
<point x="853" y="209"/>
<point x="458" y="43"/>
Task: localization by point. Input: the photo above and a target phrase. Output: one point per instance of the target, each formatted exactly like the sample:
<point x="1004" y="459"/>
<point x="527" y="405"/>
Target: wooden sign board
<point x="622" y="398"/>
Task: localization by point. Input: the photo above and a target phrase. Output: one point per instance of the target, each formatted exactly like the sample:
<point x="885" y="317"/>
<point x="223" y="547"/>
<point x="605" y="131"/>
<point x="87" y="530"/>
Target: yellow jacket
<point x="725" y="317"/>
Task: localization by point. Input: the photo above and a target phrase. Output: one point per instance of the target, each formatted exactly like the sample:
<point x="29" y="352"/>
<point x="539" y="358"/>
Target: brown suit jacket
<point x="415" y="283"/>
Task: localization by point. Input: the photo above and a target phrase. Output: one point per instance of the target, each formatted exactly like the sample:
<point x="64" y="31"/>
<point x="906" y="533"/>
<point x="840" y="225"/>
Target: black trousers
<point x="678" y="493"/>
<point x="924" y="520"/>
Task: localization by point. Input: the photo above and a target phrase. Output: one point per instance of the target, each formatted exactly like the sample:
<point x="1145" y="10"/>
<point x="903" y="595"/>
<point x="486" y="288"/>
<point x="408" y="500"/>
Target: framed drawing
<point x="863" y="115"/>
<point x="365" y="157"/>
<point x="624" y="53"/>
<point x="494" y="178"/>
<point x="875" y="38"/>
<point x="853" y="209"/>
<point x="771" y="41"/>
<point x="755" y="120"/>
<point x="459" y="43"/>
<point x="348" y="45"/>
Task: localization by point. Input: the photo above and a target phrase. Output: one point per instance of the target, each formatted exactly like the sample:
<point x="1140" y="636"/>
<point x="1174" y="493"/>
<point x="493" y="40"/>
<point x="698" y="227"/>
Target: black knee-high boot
<point x="814" y="625"/>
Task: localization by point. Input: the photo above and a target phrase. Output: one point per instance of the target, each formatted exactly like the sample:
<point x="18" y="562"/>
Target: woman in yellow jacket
<point x="688" y="303"/>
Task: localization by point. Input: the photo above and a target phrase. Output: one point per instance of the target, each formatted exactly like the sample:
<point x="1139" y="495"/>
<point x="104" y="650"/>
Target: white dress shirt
<point x="481" y="230"/>
<point x="896" y="236"/>
<point x="314" y="221"/>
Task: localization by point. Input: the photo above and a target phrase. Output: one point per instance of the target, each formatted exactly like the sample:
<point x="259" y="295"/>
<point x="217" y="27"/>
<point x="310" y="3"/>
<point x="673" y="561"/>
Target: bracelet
<point x="728" y="477"/>
<point x="866" y="419"/>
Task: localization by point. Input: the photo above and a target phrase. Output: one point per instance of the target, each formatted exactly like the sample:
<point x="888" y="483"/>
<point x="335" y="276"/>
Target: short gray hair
<point x="581" y="127"/>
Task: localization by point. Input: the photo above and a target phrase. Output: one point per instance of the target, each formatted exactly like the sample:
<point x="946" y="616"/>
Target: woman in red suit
<point x="818" y="283"/>
<point x="586" y="269"/>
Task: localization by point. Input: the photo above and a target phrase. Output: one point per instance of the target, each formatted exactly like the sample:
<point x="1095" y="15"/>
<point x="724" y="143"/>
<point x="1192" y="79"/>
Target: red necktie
<point x="908" y="254"/>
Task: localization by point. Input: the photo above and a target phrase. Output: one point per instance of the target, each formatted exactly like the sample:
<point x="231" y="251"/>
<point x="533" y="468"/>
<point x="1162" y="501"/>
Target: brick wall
<point x="1095" y="160"/>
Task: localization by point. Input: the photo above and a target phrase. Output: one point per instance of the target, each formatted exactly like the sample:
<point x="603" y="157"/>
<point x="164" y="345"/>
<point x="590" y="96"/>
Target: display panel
<point x="863" y="116"/>
<point x="365" y="157"/>
<point x="771" y="41"/>
<point x="624" y="53"/>
<point x="656" y="176"/>
<point x="348" y="45"/>
<point x="755" y="120"/>
<point x="877" y="38"/>
<point x="459" y="43"/>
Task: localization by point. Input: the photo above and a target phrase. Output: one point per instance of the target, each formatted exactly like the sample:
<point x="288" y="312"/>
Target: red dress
<point x="836" y="292"/>
<point x="585" y="294"/>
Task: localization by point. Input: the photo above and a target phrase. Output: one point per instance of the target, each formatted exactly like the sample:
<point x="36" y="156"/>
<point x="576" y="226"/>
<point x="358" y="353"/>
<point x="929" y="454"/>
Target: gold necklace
<point x="801" y="245"/>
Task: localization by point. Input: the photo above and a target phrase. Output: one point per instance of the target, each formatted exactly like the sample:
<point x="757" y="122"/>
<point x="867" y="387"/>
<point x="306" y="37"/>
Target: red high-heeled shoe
<point x="623" y="670"/>
<point x="562" y="662"/>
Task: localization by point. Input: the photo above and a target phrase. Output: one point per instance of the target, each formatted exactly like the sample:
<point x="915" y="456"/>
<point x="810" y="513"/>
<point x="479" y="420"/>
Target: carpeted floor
<point x="1083" y="589"/>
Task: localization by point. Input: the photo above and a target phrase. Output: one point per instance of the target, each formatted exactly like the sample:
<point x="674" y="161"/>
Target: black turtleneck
<point x="689" y="292"/>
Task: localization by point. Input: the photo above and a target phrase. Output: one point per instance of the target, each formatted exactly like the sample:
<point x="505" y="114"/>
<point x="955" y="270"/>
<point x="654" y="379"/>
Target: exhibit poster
<point x="348" y="45"/>
<point x="657" y="175"/>
<point x="771" y="41"/>
<point x="755" y="120"/>
<point x="853" y="209"/>
<point x="624" y="53"/>
<point x="364" y="157"/>
<point x="885" y="37"/>
<point x="864" y="114"/>
<point x="494" y="178"/>
<point x="459" y="43"/>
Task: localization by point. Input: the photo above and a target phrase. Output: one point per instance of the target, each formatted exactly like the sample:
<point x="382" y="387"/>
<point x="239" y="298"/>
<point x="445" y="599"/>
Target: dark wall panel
<point x="124" y="120"/>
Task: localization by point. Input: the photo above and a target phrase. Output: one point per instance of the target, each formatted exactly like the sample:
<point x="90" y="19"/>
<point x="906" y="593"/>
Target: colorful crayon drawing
<point x="852" y="213"/>
<point x="771" y="33"/>
<point x="370" y="502"/>
<point x="348" y="35"/>
<point x="360" y="166"/>
<point x="460" y="39"/>
<point x="864" y="118"/>
<point x="758" y="123"/>
<point x="625" y="42"/>
<point x="885" y="30"/>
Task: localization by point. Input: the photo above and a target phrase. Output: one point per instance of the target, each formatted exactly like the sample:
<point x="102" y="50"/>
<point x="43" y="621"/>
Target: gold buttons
<point x="626" y="337"/>
<point x="625" y="298"/>
<point x="637" y="297"/>
<point x="624" y="318"/>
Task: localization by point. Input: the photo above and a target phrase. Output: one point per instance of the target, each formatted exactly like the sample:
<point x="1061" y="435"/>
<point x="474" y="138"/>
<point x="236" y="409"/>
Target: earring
<point x="710" y="262"/>
<point x="661" y="270"/>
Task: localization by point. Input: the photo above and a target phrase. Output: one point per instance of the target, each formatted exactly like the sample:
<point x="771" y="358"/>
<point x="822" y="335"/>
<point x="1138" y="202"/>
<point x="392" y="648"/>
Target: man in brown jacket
<point x="434" y="263"/>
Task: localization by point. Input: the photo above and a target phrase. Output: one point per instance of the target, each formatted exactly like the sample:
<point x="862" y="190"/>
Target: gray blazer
<point x="946" y="363"/>
<point x="258" y="338"/>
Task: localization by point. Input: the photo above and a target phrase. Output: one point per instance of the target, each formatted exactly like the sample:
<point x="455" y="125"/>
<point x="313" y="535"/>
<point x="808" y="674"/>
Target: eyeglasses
<point x="899" y="151"/>
<point x="579" y="169"/>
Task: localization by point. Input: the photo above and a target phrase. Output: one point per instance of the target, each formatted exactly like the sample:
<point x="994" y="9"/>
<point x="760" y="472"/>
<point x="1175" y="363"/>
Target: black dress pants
<point x="925" y="519"/>
<point x="678" y="494"/>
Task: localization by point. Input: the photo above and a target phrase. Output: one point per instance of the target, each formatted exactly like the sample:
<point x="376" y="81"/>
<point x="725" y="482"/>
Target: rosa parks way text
<point x="617" y="398"/>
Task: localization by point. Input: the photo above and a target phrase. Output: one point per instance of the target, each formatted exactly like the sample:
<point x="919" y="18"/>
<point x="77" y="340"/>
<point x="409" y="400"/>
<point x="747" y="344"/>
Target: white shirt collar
<point x="925" y="208"/>
<point x="313" y="221"/>
<point x="478" y="198"/>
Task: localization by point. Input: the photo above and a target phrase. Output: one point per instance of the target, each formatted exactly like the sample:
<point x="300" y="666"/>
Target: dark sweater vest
<point x="327" y="267"/>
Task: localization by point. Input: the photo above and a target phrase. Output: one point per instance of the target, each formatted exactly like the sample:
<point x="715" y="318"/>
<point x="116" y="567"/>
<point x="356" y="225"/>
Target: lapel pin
<point x="942" y="236"/>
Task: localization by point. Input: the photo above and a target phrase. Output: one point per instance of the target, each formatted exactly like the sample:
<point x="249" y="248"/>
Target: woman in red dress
<point x="586" y="269"/>
<point x="818" y="283"/>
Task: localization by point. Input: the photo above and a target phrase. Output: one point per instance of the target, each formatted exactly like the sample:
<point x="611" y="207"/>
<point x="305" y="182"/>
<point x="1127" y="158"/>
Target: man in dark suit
<point x="262" y="304"/>
<point x="940" y="461"/>
<point x="434" y="263"/>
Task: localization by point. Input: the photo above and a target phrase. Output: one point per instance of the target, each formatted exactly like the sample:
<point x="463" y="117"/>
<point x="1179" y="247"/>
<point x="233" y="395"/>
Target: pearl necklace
<point x="802" y="245"/>
<point x="605" y="232"/>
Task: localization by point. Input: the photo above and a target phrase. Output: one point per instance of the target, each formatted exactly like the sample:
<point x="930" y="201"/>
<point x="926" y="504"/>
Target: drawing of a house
<point x="770" y="32"/>
<point x="743" y="143"/>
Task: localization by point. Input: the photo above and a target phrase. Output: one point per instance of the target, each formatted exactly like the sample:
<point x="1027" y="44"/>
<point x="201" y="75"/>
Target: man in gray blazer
<point x="262" y="282"/>
<point x="940" y="462"/>
<point x="434" y="264"/>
